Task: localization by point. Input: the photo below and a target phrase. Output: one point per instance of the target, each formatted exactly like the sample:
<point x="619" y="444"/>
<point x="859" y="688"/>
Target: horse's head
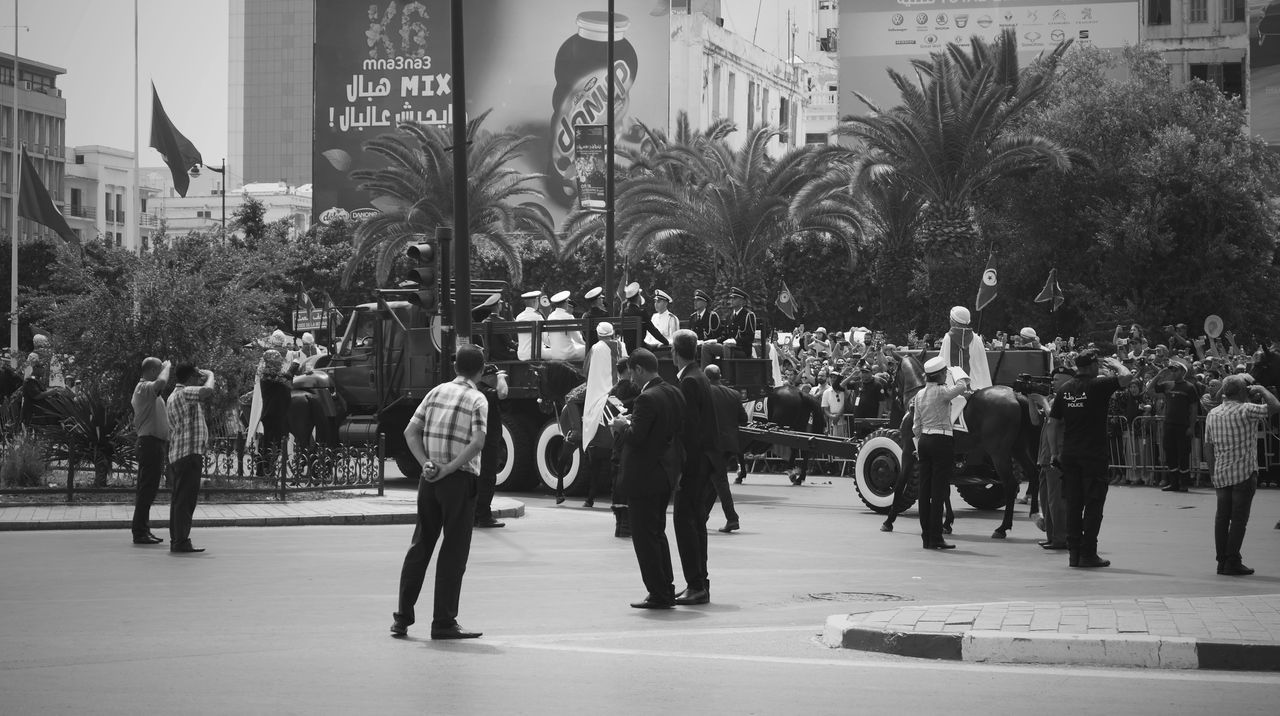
<point x="556" y="379"/>
<point x="1266" y="369"/>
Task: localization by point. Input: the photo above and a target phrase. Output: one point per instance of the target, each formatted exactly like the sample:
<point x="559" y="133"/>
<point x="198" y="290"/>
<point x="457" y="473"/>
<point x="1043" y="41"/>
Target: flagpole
<point x="135" y="203"/>
<point x="13" y="221"/>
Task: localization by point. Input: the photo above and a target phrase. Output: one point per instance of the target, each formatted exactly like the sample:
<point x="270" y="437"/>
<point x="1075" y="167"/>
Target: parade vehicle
<point x="390" y="355"/>
<point x="876" y="445"/>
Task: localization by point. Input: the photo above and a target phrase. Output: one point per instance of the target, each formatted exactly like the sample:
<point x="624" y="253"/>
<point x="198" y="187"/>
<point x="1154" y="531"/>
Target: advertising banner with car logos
<point x="880" y="34"/>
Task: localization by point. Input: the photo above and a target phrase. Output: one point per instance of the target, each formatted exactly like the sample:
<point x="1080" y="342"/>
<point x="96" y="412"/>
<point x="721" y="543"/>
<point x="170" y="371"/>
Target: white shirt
<point x="667" y="324"/>
<point x="833" y="401"/>
<point x="563" y="345"/>
<point x="525" y="350"/>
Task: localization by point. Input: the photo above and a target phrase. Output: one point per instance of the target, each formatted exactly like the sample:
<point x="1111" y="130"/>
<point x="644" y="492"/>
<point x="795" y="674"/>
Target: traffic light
<point x="422" y="271"/>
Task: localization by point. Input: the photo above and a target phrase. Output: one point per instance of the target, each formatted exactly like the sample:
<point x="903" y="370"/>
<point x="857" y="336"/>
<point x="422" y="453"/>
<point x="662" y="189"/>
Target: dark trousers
<point x="445" y="507"/>
<point x="695" y="497"/>
<point x="1084" y="487"/>
<point x="487" y="482"/>
<point x="599" y="472"/>
<point x="1232" y="517"/>
<point x="937" y="461"/>
<point x="269" y="451"/>
<point x="648" y="514"/>
<point x="720" y="479"/>
<point x="1177" y="453"/>
<point x="184" y="478"/>
<point x="151" y="454"/>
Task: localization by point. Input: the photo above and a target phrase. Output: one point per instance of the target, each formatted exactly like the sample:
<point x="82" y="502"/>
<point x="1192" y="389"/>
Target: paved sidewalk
<point x="1238" y="633"/>
<point x="395" y="508"/>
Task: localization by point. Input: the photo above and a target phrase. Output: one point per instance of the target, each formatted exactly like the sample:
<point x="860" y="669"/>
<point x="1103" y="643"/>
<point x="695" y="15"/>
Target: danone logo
<point x="332" y="214"/>
<point x="365" y="213"/>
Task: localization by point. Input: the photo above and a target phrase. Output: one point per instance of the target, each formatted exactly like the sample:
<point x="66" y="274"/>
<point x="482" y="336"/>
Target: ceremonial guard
<point x="596" y="312"/>
<point x="704" y="322"/>
<point x="742" y="324"/>
<point x="634" y="306"/>
<point x="502" y="347"/>
<point x="532" y="299"/>
<point x="963" y="348"/>
<point x="563" y="344"/>
<point x="665" y="321"/>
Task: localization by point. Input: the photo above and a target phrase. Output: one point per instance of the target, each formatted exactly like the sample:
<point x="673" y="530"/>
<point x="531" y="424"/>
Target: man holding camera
<point x="446" y="435"/>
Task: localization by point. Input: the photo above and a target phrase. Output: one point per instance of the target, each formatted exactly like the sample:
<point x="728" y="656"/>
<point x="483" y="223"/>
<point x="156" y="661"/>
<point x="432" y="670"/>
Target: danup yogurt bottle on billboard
<point x="581" y="91"/>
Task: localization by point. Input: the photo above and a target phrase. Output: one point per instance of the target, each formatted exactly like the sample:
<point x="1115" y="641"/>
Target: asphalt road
<point x="294" y="620"/>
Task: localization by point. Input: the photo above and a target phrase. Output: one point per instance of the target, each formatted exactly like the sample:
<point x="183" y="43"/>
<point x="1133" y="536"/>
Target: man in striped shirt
<point x="1231" y="448"/>
<point x="188" y="442"/>
<point x="445" y="435"/>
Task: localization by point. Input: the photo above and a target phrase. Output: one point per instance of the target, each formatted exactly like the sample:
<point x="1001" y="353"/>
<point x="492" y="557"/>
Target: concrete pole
<point x="609" y="228"/>
<point x="461" y="223"/>
<point x="13" y="216"/>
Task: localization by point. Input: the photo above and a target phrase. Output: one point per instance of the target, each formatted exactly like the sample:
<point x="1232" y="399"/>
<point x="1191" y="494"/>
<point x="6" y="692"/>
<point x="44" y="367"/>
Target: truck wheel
<point x="408" y="465"/>
<point x="516" y="467"/>
<point x="550" y="441"/>
<point x="984" y="494"/>
<point x="877" y="468"/>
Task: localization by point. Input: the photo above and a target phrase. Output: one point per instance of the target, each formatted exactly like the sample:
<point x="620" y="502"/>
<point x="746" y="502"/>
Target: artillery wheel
<point x="877" y="469"/>
<point x="550" y="440"/>
<point x="985" y="495"/>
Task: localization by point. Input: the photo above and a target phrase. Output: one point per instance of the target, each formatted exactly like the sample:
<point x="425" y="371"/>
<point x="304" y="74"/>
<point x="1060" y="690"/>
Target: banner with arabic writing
<point x="880" y="34"/>
<point x="377" y="64"/>
<point x="538" y="67"/>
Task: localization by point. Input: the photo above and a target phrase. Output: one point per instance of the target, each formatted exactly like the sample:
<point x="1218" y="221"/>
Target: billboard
<point x="537" y="67"/>
<point x="880" y="34"/>
<point x="1264" y="70"/>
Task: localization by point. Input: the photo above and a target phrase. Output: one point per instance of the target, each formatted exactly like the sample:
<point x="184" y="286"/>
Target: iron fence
<point x="1137" y="448"/>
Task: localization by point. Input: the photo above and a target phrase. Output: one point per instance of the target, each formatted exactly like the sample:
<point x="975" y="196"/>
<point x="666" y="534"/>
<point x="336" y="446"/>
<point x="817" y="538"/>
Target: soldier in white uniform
<point x="563" y="345"/>
<point x="665" y="321"/>
<point x="532" y="300"/>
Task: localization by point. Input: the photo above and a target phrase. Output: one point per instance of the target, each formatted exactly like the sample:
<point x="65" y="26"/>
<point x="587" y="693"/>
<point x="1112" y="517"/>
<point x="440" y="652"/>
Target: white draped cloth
<point x="600" y="380"/>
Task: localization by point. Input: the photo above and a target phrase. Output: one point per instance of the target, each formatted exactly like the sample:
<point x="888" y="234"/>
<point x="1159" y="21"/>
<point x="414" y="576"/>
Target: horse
<point x="791" y="408"/>
<point x="1266" y="372"/>
<point x="1000" y="429"/>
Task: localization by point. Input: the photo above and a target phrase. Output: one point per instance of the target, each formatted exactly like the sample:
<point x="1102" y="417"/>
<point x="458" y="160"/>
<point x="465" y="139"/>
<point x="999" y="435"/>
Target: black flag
<point x="35" y="203"/>
<point x="178" y="151"/>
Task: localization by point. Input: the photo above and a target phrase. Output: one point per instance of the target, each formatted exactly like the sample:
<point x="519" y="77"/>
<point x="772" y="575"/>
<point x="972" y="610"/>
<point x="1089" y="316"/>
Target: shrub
<point x="22" y="462"/>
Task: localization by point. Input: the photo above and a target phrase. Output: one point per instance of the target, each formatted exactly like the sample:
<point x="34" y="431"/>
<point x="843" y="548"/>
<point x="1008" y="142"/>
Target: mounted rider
<point x="962" y="348"/>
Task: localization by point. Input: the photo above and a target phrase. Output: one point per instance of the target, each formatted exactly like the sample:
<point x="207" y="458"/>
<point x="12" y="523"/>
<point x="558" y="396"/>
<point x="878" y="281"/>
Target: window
<point x="815" y="138"/>
<point x="146" y="243"/>
<point x="1158" y="12"/>
<point x="826" y="4"/>
<point x="1199" y="11"/>
<point x="715" y="92"/>
<point x="733" y="96"/>
<point x="119" y="239"/>
<point x="751" y="104"/>
<point x="1233" y="11"/>
<point x="784" y="115"/>
<point x="120" y="208"/>
<point x="79" y="159"/>
<point x="75" y="201"/>
<point x="106" y="206"/>
<point x="1228" y="77"/>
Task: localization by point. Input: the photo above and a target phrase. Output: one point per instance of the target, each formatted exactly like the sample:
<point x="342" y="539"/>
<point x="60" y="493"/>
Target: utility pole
<point x="609" y="239"/>
<point x="461" y="223"/>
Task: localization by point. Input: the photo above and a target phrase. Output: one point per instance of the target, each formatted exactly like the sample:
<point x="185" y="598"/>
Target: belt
<point x="938" y="432"/>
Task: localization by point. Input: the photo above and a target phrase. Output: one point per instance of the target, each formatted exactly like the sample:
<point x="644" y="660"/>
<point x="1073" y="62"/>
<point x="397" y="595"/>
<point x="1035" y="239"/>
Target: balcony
<point x="83" y="212"/>
<point x="147" y="220"/>
<point x="120" y="218"/>
<point x="111" y="216"/>
<point x="824" y="99"/>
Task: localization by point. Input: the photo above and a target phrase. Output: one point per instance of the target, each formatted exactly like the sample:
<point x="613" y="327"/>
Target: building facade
<point x="42" y="120"/>
<point x="269" y="90"/>
<point x="101" y="187"/>
<point x="1201" y="39"/>
<point x="202" y="208"/>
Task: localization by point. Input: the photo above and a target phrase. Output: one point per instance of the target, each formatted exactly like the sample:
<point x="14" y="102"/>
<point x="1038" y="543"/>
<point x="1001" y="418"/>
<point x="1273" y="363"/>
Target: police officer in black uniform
<point x="596" y="312"/>
<point x="704" y="322"/>
<point x="742" y="324"/>
<point x="635" y="307"/>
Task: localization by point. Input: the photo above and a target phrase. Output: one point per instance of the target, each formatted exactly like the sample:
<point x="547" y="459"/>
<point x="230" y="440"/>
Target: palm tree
<point x="735" y="203"/>
<point x="953" y="134"/>
<point x="415" y="193"/>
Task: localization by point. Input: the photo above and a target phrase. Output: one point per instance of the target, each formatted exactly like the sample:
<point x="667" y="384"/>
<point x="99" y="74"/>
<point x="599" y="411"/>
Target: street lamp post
<point x="222" y="170"/>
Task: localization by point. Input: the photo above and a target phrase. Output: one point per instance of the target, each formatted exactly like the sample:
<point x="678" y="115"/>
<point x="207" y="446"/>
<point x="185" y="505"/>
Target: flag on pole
<point x="787" y="302"/>
<point x="34" y="202"/>
<point x="1051" y="291"/>
<point x="331" y="307"/>
<point x="622" y="286"/>
<point x="987" y="289"/>
<point x="178" y="151"/>
<point x="304" y="302"/>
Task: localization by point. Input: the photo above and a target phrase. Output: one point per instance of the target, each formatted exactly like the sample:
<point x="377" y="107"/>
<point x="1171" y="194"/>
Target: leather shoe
<point x="186" y="547"/>
<point x="1091" y="561"/>
<point x="399" y="628"/>
<point x="650" y="602"/>
<point x="146" y="539"/>
<point x="939" y="544"/>
<point x="693" y="596"/>
<point x="1232" y="569"/>
<point x="454" y="632"/>
<point x="1050" y="545"/>
<point x="1171" y="488"/>
<point x="729" y="527"/>
<point x="490" y="523"/>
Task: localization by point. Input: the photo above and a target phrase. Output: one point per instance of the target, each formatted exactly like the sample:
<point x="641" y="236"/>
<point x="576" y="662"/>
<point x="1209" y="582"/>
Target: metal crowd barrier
<point x="1137" y="449"/>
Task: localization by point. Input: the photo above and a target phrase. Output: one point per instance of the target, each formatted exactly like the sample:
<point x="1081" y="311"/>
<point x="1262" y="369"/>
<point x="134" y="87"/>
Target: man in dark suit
<point x="696" y="494"/>
<point x="596" y="312"/>
<point x="730" y="413"/>
<point x="650" y="462"/>
<point x="634" y="306"/>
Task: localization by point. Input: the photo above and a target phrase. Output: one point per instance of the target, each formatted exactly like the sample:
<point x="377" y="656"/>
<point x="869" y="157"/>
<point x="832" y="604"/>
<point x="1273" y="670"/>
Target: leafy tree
<point x="415" y="193"/>
<point x="1176" y="220"/>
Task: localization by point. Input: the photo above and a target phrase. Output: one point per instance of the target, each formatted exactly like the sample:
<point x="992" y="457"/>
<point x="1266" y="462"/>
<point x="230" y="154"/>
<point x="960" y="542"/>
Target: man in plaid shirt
<point x="445" y="435"/>
<point x="188" y="441"/>
<point x="1231" y="448"/>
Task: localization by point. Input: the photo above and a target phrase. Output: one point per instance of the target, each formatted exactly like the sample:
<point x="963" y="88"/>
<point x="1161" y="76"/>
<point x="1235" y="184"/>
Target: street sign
<point x="315" y="319"/>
